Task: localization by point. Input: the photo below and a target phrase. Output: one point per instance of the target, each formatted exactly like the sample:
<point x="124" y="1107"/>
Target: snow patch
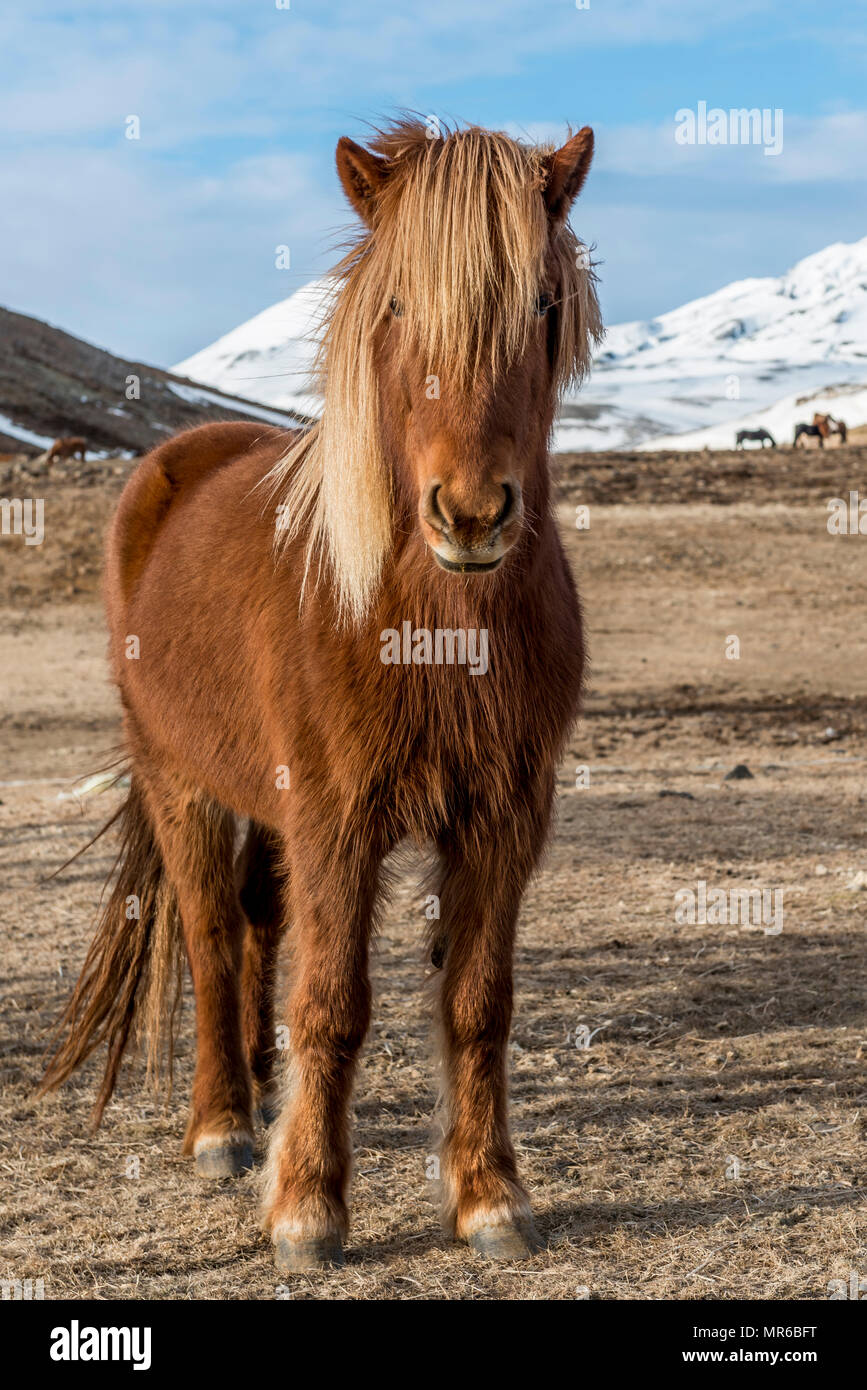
<point x="7" y="426"/>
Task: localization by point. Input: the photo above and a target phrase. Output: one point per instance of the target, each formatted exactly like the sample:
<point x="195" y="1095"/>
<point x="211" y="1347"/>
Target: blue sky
<point x="155" y="247"/>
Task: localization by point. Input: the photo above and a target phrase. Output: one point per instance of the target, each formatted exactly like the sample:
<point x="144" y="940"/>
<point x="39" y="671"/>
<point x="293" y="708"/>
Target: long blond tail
<point x="133" y="971"/>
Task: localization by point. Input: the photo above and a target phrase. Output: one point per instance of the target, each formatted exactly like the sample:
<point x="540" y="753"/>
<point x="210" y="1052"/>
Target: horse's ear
<point x="362" y="175"/>
<point x="567" y="169"/>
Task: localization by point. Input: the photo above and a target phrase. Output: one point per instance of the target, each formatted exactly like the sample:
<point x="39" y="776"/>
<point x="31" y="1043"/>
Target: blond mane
<point x="461" y="239"/>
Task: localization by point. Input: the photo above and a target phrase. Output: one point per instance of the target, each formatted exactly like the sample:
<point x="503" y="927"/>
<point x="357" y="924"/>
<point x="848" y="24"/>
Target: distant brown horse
<point x="828" y="425"/>
<point x="290" y="620"/>
<point x="73" y="447"/>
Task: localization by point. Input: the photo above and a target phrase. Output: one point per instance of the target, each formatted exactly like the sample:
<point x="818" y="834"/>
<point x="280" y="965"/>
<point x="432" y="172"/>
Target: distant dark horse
<point x="809" y="432"/>
<point x="759" y="436"/>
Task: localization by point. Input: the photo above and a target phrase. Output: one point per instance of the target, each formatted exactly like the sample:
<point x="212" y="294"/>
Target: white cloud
<point x="152" y="261"/>
<point x="230" y="68"/>
<point x="157" y="246"/>
<point x="815" y="149"/>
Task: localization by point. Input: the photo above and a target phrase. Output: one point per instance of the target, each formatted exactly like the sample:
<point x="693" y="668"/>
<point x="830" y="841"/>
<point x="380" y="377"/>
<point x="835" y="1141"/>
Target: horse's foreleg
<point x="332" y="896"/>
<point x="484" y="1200"/>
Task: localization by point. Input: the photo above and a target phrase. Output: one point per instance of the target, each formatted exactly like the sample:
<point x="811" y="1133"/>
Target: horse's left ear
<point x="567" y="169"/>
<point x="362" y="175"/>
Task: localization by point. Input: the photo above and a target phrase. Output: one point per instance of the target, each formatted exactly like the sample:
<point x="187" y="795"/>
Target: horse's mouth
<point x="467" y="566"/>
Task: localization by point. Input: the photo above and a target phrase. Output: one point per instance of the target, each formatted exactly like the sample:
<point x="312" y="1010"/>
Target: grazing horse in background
<point x="73" y="447"/>
<point x="757" y="436"/>
<point x="255" y="581"/>
<point x="804" y="432"/>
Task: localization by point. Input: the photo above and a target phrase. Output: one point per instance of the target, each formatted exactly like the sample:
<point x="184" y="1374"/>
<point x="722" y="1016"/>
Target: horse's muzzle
<point x="472" y="540"/>
<point x="468" y="566"/>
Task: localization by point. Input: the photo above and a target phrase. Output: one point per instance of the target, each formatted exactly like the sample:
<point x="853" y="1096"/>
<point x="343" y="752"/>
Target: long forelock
<point x="461" y="240"/>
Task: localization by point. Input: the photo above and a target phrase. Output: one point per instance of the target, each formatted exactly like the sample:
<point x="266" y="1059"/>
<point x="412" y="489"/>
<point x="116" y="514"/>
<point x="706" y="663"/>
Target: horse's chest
<point x="448" y="738"/>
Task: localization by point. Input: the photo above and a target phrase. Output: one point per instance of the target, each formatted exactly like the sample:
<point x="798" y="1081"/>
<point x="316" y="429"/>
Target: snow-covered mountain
<point x="269" y="358"/>
<point x="698" y="372"/>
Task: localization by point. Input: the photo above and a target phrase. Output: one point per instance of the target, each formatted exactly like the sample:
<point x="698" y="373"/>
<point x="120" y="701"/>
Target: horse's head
<point x="460" y="313"/>
<point x="484" y="298"/>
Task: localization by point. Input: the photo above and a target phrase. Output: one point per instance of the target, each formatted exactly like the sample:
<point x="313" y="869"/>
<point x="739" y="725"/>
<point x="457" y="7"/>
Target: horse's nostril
<point x="472" y="522"/>
<point x="433" y="512"/>
<point x="508" y="505"/>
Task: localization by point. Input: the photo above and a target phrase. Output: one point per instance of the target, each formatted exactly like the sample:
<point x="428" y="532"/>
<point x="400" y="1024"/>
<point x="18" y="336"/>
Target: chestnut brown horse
<point x="70" y="448"/>
<point x="255" y="583"/>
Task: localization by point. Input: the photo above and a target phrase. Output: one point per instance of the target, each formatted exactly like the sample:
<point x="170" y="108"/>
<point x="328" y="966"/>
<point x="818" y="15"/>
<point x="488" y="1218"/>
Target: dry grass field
<point x="709" y="1143"/>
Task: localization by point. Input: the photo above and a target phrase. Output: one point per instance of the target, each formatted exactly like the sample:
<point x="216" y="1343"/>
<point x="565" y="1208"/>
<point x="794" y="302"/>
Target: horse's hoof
<point x="506" y="1242"/>
<point x="297" y="1255"/>
<point x="224" y="1160"/>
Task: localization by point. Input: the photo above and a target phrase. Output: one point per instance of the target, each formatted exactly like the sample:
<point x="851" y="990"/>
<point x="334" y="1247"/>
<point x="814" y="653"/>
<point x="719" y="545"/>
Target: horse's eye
<point x="543" y="303"/>
<point x="396" y="308"/>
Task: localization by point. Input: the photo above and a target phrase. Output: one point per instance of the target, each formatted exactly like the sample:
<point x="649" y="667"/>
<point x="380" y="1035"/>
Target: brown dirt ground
<point x="714" y="1042"/>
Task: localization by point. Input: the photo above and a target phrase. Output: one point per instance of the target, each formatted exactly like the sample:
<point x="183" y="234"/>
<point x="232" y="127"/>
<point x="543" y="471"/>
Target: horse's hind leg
<point x="261" y="891"/>
<point x="196" y="838"/>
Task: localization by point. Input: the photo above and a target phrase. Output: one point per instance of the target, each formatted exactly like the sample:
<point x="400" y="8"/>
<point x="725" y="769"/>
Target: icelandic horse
<point x="70" y="448"/>
<point x="760" y="436"/>
<point x="803" y="432"/>
<point x="258" y="571"/>
<point x="822" y="428"/>
<point x="828" y="425"/>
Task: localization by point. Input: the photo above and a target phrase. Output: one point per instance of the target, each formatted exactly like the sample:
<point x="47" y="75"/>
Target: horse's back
<point x="164" y="480"/>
